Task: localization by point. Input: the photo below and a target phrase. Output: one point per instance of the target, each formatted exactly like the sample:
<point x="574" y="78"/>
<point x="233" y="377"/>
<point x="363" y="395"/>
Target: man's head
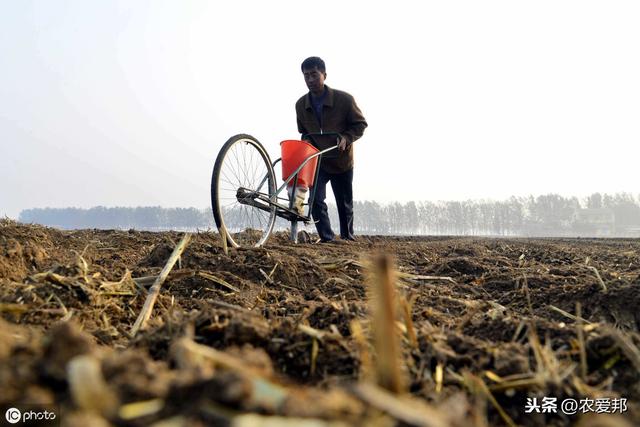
<point x="314" y="72"/>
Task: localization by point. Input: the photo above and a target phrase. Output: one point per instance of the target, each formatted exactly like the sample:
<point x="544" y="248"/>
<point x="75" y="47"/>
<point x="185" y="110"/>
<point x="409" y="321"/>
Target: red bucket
<point x="295" y="152"/>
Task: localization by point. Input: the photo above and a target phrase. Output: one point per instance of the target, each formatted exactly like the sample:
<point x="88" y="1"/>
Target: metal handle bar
<point x="307" y="160"/>
<point x="295" y="173"/>
<point x="311" y="134"/>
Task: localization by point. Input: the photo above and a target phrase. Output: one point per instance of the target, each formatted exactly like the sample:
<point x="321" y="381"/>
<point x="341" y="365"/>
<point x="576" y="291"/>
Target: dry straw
<point x="383" y="309"/>
<point x="145" y="314"/>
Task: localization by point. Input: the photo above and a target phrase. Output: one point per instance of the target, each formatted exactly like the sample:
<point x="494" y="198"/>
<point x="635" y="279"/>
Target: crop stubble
<point x="286" y="330"/>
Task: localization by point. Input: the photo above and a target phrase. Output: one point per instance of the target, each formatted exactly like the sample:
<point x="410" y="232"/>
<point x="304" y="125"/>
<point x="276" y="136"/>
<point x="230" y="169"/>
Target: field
<point x="282" y="335"/>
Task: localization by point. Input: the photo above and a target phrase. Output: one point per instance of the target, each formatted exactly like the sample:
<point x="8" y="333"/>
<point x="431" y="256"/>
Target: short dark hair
<point x="313" y="62"/>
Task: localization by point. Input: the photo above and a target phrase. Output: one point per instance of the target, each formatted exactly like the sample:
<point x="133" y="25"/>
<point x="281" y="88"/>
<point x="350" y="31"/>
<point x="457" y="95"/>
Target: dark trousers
<point x="342" y="186"/>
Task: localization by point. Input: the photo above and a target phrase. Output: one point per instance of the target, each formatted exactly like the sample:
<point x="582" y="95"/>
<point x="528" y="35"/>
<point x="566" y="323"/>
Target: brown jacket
<point x="340" y="114"/>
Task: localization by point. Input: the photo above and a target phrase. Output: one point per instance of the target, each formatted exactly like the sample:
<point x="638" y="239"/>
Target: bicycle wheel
<point x="243" y="164"/>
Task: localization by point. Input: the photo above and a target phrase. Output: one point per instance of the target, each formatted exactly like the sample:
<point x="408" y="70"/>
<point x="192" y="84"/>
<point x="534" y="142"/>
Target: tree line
<point x="142" y="217"/>
<point x="544" y="215"/>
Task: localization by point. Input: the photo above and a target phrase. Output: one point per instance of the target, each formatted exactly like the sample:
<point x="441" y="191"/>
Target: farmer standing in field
<point x="324" y="110"/>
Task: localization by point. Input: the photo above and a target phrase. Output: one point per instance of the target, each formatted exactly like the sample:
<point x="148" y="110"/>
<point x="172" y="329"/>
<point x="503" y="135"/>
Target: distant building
<point x="598" y="222"/>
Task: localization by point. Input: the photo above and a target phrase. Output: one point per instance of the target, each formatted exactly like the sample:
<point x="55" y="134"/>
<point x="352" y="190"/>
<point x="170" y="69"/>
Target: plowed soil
<point x="281" y="334"/>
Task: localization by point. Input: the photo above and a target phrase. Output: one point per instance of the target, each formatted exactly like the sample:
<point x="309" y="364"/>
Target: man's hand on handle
<point x="342" y="143"/>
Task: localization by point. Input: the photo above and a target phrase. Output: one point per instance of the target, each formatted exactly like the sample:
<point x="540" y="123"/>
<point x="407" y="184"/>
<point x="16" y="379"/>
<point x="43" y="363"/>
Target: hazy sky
<point x="126" y="103"/>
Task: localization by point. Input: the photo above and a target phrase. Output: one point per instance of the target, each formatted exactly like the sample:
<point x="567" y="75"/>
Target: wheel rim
<point x="244" y="165"/>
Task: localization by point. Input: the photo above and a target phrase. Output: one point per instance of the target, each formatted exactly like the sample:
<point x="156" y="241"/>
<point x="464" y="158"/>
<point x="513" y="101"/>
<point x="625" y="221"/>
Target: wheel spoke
<point x="237" y="169"/>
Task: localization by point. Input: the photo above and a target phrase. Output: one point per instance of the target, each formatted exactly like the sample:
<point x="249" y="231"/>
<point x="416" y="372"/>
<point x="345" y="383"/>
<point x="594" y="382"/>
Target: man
<point x="328" y="110"/>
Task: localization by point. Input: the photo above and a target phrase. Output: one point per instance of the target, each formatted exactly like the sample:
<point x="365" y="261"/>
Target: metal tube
<point x="307" y="160"/>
